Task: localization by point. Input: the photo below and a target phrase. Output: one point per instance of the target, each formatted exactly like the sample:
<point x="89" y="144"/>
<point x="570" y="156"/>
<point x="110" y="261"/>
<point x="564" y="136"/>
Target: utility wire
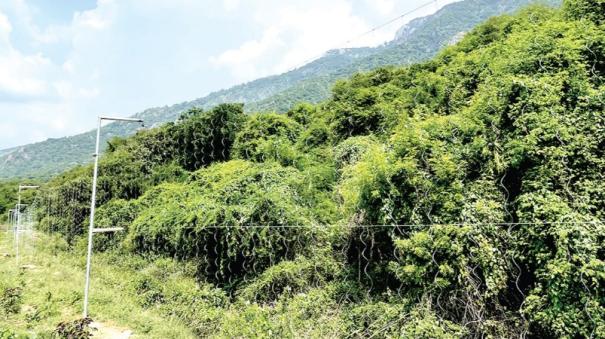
<point x="372" y="30"/>
<point x="385" y="24"/>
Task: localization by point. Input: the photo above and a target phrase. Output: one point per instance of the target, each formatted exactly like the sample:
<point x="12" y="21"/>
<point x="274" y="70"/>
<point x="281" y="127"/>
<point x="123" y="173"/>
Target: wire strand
<point x="372" y="30"/>
<point x="412" y="225"/>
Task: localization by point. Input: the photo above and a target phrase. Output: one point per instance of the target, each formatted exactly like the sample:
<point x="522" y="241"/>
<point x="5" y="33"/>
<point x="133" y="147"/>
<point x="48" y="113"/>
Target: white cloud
<point x="231" y="5"/>
<point x="5" y="30"/>
<point x="8" y="130"/>
<point x="5" y="25"/>
<point x="93" y="19"/>
<point x="19" y="73"/>
<point x="23" y="17"/>
<point x="294" y="33"/>
<point x="384" y="7"/>
<point x="117" y="58"/>
<point x="37" y="122"/>
<point x="37" y="95"/>
<point x="241" y="61"/>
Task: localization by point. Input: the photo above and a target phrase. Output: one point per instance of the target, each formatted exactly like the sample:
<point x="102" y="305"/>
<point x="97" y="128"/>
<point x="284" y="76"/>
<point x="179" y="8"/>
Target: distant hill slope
<point x="421" y="39"/>
<point x="6" y="151"/>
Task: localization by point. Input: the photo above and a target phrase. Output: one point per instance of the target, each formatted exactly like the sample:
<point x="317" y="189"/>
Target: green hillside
<point x="419" y="40"/>
<point x="459" y="197"/>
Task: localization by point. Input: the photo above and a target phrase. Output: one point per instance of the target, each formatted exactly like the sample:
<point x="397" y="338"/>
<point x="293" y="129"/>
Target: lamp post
<point x="91" y="228"/>
<point x="18" y="225"/>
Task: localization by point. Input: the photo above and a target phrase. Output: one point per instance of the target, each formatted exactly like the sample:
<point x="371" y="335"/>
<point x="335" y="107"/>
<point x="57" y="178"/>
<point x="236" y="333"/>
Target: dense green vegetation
<point x="9" y="196"/>
<point x="419" y="40"/>
<point x="460" y="197"/>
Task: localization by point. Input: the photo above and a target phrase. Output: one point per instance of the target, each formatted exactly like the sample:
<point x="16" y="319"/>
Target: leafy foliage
<point x="185" y="220"/>
<point x="8" y="198"/>
<point x="204" y="137"/>
<point x="289" y="278"/>
<point x="592" y="10"/>
<point x="267" y="137"/>
<point x="78" y="329"/>
<point x="10" y="300"/>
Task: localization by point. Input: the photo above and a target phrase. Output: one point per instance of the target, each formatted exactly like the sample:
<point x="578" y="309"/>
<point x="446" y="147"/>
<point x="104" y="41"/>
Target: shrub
<point x="115" y="213"/>
<point x="352" y="150"/>
<point x="221" y="218"/>
<point x="399" y="319"/>
<point x="314" y="314"/>
<point x="167" y="286"/>
<point x="77" y="329"/>
<point x="10" y="300"/>
<point x="467" y="190"/>
<point x="7" y="334"/>
<point x="355" y="112"/>
<point x="302" y="113"/>
<point x="459" y="268"/>
<point x="202" y="137"/>
<point x="317" y="134"/>
<point x="289" y="278"/>
<point x="593" y="10"/>
<point x="268" y="137"/>
<point x="66" y="207"/>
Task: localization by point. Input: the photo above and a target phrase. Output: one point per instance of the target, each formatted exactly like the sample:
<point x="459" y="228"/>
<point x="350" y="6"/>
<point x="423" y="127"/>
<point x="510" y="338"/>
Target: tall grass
<point x="47" y="289"/>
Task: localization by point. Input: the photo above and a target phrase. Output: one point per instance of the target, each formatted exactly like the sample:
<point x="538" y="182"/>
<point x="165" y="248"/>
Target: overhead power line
<point x="388" y="23"/>
<point x="370" y="31"/>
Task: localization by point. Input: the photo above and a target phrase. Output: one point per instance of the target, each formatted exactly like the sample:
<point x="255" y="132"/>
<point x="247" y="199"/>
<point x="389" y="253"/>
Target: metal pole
<point x="14" y="227"/>
<point x="17" y="228"/>
<point x="93" y="202"/>
<point x="9" y="220"/>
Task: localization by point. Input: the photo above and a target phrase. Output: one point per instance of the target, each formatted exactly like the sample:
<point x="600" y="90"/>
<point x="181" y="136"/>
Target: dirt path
<point x="106" y="331"/>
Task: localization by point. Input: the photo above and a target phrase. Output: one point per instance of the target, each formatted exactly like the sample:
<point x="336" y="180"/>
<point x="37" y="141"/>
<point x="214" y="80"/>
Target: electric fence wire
<point x="460" y="224"/>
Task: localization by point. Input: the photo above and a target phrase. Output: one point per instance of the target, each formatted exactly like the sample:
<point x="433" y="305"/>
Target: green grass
<point x="51" y="279"/>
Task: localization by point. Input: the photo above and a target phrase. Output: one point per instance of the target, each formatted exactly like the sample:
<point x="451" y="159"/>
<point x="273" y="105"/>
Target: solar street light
<point x="91" y="229"/>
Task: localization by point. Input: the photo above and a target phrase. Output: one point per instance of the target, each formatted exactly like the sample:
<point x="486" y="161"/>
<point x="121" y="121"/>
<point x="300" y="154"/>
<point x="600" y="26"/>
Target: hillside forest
<point x="458" y="197"/>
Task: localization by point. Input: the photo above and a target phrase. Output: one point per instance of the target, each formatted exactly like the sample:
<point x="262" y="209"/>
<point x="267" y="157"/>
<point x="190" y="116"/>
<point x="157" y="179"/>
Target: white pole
<point x="18" y="225"/>
<point x="17" y="228"/>
<point x="93" y="202"/>
<point x="9" y="220"/>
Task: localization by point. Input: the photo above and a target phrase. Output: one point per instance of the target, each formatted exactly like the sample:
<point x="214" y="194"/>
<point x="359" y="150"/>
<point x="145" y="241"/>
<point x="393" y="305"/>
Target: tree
<point x="202" y="137"/>
<point x="593" y="10"/>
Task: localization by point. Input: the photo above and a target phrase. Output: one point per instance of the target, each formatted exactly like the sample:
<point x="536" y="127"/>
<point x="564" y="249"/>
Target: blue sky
<point x="64" y="62"/>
